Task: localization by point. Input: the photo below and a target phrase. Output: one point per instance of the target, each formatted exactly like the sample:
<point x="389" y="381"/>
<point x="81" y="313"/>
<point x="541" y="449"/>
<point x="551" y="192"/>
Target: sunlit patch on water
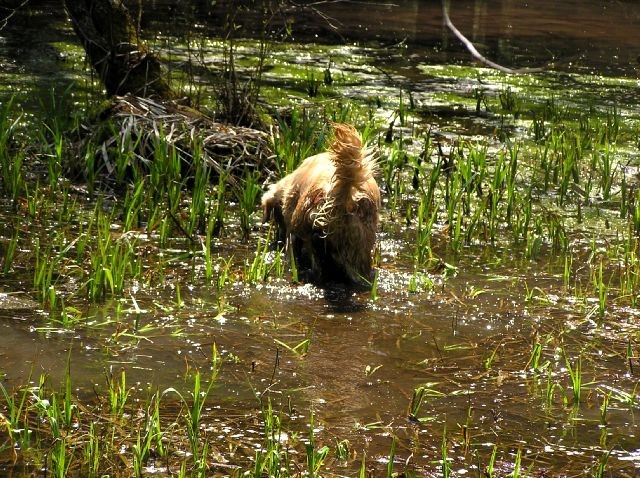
<point x="16" y="301"/>
<point x="285" y="290"/>
<point x="390" y="248"/>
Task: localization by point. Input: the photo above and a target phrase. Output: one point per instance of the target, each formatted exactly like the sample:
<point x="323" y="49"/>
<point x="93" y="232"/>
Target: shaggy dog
<point x="327" y="210"/>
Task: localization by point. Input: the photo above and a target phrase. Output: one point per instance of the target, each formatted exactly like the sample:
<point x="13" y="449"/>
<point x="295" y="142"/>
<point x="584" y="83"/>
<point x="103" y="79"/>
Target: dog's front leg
<point x="301" y="254"/>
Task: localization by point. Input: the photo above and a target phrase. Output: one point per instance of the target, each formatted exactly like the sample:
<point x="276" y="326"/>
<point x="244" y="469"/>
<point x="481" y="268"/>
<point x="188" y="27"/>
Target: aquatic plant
<point x="551" y="386"/>
<point x="273" y="458"/>
<point x="312" y="84"/>
<point x="426" y="218"/>
<point x="601" y="467"/>
<point x="10" y="251"/>
<point x="363" y="467"/>
<point x="299" y="350"/>
<point x="247" y="196"/>
<point x="602" y="293"/>
<point x="374" y="287"/>
<point x="217" y="215"/>
<point x="509" y="101"/>
<point x="402" y="111"/>
<point x="118" y="394"/>
<point x="517" y="464"/>
<point x="111" y="261"/>
<point x="416" y="402"/>
<point x="222" y="279"/>
<point x="488" y="362"/>
<point x="604" y="408"/>
<point x="315" y="457"/>
<point x="392" y="457"/>
<point x="194" y="409"/>
<point x="55" y="157"/>
<point x="15" y="403"/>
<point x="445" y="466"/>
<point x="46" y="263"/>
<point x="342" y="450"/>
<point x="10" y="161"/>
<point x="489" y="469"/>
<point x="69" y="408"/>
<point x="61" y="459"/>
<point x="259" y="268"/>
<point x="534" y="360"/>
<point x="575" y="376"/>
<point x="391" y="174"/>
<point x="198" y="208"/>
<point x="132" y="205"/>
<point x="93" y="452"/>
<point x="297" y="138"/>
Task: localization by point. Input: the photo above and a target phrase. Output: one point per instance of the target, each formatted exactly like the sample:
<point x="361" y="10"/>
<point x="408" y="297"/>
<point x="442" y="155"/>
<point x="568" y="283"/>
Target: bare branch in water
<point x="472" y="49"/>
<point x="333" y="23"/>
<point x="4" y="21"/>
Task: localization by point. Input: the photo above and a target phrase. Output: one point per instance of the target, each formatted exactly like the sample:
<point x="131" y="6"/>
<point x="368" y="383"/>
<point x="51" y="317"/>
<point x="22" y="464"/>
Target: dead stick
<point x="472" y="49"/>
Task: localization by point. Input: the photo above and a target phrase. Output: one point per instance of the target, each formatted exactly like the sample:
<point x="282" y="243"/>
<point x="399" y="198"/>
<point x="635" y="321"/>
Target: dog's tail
<point x="355" y="165"/>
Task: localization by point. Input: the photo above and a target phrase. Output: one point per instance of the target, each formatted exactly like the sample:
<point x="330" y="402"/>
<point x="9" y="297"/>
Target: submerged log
<point x="119" y="57"/>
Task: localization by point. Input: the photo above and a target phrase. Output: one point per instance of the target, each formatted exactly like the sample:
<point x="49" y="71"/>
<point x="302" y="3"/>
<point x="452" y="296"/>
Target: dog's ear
<point x="269" y="202"/>
<point x="267" y="211"/>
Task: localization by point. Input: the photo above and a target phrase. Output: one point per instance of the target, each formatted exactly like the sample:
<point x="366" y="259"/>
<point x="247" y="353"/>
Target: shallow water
<point x="469" y="338"/>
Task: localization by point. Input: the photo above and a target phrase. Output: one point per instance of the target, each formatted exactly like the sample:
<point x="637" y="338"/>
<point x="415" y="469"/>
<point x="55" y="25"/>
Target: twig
<point x="331" y="22"/>
<point x="475" y="53"/>
<point x="385" y="73"/>
<point x="5" y="20"/>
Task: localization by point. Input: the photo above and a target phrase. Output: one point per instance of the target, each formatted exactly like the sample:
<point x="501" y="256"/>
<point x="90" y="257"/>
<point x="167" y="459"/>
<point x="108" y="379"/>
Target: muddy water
<point x="469" y="338"/>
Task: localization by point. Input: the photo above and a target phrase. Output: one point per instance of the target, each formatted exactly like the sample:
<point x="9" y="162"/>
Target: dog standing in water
<point x="327" y="210"/>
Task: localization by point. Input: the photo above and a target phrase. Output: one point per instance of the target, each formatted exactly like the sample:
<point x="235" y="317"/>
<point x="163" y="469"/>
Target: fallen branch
<point x="4" y="21"/>
<point x="474" y="52"/>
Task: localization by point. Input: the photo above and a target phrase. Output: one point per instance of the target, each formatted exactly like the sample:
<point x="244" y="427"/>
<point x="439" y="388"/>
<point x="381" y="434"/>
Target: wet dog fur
<point x="327" y="210"/>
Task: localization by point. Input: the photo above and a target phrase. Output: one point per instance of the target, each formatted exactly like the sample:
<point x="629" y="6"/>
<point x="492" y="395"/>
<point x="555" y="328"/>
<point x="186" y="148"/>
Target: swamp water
<point x="512" y="328"/>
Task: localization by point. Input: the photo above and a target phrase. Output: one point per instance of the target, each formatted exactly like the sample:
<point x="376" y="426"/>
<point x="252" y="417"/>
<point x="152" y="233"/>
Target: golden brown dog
<point x="327" y="210"/>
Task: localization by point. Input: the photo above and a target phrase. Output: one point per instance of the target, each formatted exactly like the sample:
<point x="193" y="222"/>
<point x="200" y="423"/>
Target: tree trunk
<point x="120" y="59"/>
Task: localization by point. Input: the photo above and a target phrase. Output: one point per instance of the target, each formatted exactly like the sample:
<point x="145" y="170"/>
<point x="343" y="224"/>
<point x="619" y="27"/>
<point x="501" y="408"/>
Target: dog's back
<point x="328" y="208"/>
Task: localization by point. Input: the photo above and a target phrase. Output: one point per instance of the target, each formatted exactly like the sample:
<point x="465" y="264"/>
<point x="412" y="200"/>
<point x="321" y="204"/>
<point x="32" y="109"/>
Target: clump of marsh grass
<point x="11" y="157"/>
<point x="315" y="456"/>
<point x="312" y="84"/>
<point x="265" y="263"/>
<point x="10" y="251"/>
<point x="444" y="458"/>
<point x="296" y="137"/>
<point x="575" y="377"/>
<point x="247" y="194"/>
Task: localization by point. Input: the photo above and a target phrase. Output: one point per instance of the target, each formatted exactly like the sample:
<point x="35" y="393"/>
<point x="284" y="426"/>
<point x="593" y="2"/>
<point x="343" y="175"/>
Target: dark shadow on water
<point x="343" y="298"/>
